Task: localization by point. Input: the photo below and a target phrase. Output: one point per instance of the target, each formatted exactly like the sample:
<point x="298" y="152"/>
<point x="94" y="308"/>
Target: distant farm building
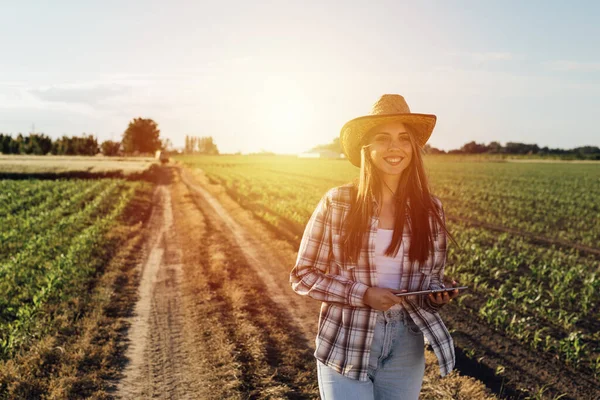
<point x="162" y="156"/>
<point x="321" y="154"/>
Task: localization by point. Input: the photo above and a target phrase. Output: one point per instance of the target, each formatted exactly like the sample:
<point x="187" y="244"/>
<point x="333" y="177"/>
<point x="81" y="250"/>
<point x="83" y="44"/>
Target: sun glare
<point x="287" y="115"/>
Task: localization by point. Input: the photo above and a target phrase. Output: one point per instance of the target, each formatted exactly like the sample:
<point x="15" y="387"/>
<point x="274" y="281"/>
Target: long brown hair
<point x="413" y="194"/>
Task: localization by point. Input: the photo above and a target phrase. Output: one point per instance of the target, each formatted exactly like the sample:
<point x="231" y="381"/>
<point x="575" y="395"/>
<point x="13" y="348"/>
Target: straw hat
<point x="389" y="107"/>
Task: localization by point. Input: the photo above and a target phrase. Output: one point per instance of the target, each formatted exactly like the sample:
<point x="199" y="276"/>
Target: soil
<point x="482" y="351"/>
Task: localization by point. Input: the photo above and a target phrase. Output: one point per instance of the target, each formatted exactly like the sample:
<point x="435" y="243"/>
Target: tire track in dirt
<point x="155" y="335"/>
<point x="266" y="335"/>
<point x="204" y="326"/>
<point x="254" y="251"/>
<point x="137" y="333"/>
<point x="163" y="359"/>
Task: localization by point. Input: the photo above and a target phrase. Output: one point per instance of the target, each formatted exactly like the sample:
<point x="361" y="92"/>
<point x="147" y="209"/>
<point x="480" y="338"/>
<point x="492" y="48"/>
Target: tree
<point x="18" y="144"/>
<point x="83" y="146"/>
<point x="521" y="148"/>
<point x="428" y="149"/>
<point x="202" y="145"/>
<point x="5" y="143"/>
<point x="110" y="148"/>
<point x="35" y="144"/>
<point x="333" y="146"/>
<point x="166" y="144"/>
<point x="495" y="147"/>
<point x="142" y="135"/>
<point x="206" y="145"/>
<point x="474" y="148"/>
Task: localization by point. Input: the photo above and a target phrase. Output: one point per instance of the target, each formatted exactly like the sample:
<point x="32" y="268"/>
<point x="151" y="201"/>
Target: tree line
<point x="41" y="144"/>
<point x="142" y="136"/>
<point x="582" y="153"/>
<point x="202" y="145"/>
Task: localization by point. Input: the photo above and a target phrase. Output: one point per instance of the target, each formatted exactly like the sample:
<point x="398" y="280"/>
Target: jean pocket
<point x="412" y="328"/>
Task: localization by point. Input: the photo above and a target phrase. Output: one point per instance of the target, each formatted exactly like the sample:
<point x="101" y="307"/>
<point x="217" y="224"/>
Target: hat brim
<point x="353" y="132"/>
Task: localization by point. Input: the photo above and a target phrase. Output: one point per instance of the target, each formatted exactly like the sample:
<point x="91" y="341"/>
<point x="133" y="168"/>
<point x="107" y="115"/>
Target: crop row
<point x="19" y="229"/>
<point x="544" y="297"/>
<point x="58" y="252"/>
<point x="16" y="197"/>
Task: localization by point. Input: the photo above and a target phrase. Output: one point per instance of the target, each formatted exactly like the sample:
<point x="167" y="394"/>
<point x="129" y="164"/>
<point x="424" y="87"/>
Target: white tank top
<point x="388" y="268"/>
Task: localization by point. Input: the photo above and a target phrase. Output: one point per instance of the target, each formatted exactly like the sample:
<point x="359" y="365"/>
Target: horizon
<point x="181" y="149"/>
<point x="258" y="79"/>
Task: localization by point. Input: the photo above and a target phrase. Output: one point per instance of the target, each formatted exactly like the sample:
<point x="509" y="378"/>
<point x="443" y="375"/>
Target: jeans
<point x="396" y="364"/>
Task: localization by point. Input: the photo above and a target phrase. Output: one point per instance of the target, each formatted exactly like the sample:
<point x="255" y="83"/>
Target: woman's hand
<point x="442" y="298"/>
<point x="381" y="298"/>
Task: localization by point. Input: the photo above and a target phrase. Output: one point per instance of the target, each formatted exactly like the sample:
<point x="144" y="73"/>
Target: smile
<point x="393" y="160"/>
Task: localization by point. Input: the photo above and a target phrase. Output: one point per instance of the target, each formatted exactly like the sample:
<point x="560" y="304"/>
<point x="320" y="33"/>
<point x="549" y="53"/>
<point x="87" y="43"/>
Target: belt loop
<point x="388" y="315"/>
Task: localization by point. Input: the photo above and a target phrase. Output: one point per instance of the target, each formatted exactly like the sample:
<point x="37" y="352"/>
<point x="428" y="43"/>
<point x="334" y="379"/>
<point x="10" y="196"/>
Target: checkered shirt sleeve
<point x="310" y="274"/>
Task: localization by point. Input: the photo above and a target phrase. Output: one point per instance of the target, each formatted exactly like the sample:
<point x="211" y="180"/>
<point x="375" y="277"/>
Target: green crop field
<point x="58" y="237"/>
<point x="529" y="236"/>
<point x="52" y="243"/>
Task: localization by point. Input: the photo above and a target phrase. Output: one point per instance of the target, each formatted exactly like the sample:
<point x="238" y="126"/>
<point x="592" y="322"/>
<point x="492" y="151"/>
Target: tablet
<point x="448" y="289"/>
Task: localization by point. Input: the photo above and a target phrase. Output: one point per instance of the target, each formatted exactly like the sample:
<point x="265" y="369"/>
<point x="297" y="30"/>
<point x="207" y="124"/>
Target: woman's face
<point x="390" y="147"/>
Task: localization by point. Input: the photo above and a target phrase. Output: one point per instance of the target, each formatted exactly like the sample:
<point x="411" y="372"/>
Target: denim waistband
<point x="395" y="313"/>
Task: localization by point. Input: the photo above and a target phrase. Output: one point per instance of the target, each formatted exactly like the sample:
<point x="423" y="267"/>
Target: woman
<point x="366" y="241"/>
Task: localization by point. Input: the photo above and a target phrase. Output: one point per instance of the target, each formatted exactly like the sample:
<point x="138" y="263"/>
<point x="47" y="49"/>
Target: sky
<point x="285" y="76"/>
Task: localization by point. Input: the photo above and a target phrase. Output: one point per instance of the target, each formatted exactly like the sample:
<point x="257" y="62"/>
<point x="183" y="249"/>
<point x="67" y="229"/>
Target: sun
<point x="287" y="116"/>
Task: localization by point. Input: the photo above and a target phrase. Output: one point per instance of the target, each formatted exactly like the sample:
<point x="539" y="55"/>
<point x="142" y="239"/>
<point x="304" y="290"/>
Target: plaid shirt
<point x="346" y="323"/>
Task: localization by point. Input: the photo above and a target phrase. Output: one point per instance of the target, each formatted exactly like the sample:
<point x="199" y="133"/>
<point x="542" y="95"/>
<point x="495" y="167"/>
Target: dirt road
<point x="216" y="317"/>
